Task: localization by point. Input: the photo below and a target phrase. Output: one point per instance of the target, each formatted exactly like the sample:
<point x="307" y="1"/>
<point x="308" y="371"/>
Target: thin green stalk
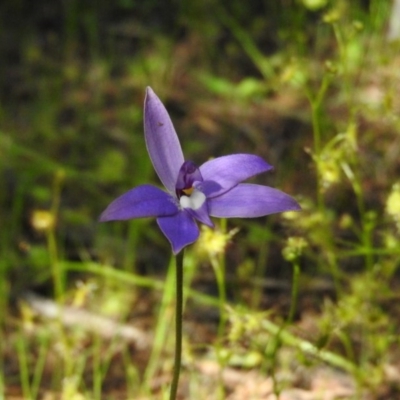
<point x="39" y="366"/>
<point x="130" y="255"/>
<point x="218" y="264"/>
<point x="219" y="270"/>
<point x="3" y="308"/>
<point x="219" y="267"/>
<point x="57" y="272"/>
<point x="275" y="345"/>
<point x="308" y="348"/>
<point x="261" y="61"/>
<point x="163" y="325"/>
<point x="97" y="372"/>
<point x="367" y="223"/>
<point x="23" y="366"/>
<point x="261" y="267"/>
<point x="56" y="268"/>
<point x="112" y="274"/>
<point x="295" y="292"/>
<point x="354" y="175"/>
<point x="178" y="325"/>
<point x="132" y="374"/>
<point x="316" y="103"/>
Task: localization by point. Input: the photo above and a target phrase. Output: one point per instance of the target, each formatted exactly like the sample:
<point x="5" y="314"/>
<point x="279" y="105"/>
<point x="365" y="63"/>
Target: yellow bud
<point x="42" y="220"/>
<point x="393" y="202"/>
<point x="294" y="248"/>
<point x="213" y="241"/>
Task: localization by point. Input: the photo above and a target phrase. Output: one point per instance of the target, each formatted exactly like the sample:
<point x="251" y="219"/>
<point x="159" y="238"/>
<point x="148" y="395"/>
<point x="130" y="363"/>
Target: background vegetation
<point x="299" y="304"/>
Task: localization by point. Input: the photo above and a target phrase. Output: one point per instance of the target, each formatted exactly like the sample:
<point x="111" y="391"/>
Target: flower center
<point x="188" y="196"/>
<point x="187" y="176"/>
<point x="188" y="191"/>
<point x="194" y="201"/>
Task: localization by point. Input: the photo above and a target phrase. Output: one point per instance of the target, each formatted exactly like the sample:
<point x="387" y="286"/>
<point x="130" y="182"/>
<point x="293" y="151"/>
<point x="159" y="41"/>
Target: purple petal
<point x="142" y="201"/>
<point x="201" y="214"/>
<point x="188" y="174"/>
<point x="207" y="187"/>
<point x="248" y="201"/>
<point x="230" y="170"/>
<point x="180" y="229"/>
<point x="162" y="141"/>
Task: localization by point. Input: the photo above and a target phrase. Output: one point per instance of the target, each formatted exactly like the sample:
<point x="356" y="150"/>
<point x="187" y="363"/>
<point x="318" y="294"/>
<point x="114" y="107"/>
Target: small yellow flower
<point x="214" y="241"/>
<point x="294" y="248"/>
<point x="314" y="4"/>
<point x="42" y="220"/>
<point x="393" y="202"/>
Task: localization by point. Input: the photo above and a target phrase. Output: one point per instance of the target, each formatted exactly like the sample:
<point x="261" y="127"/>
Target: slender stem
<point x="277" y="343"/>
<point x="218" y="263"/>
<point x="219" y="270"/>
<point x="308" y="348"/>
<point x="295" y="291"/>
<point x="316" y="102"/>
<point x="178" y="325"/>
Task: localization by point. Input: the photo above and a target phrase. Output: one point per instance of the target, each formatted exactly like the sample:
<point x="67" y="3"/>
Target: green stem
<point x="23" y="366"/>
<point x="218" y="264"/>
<point x="295" y="291"/>
<point x="308" y="348"/>
<point x="56" y="267"/>
<point x="277" y="343"/>
<point x="219" y="270"/>
<point x="316" y="102"/>
<point x="178" y="325"/>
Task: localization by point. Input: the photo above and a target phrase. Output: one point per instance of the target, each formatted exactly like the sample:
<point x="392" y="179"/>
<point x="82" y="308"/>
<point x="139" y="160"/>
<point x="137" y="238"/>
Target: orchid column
<point x="193" y="194"/>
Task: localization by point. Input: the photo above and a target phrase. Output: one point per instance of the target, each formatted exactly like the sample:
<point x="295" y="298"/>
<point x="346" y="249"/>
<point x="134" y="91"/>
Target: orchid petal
<point x="162" y="141"/>
<point x="207" y="187"/>
<point x="187" y="176"/>
<point x="180" y="229"/>
<point x="201" y="214"/>
<point x="247" y="200"/>
<point x="142" y="201"/>
<point x="228" y="171"/>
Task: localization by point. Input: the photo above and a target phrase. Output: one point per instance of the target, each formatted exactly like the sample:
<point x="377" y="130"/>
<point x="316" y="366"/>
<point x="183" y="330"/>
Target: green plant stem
<point x="39" y="367"/>
<point x="56" y="267"/>
<point x="110" y="273"/>
<point x="22" y="353"/>
<point x="218" y="264"/>
<point x="3" y="307"/>
<point x="295" y="291"/>
<point x="219" y="270"/>
<point x="261" y="266"/>
<point x="178" y="325"/>
<point x="277" y="343"/>
<point x="315" y="103"/>
<point x="308" y="348"/>
<point x="163" y="322"/>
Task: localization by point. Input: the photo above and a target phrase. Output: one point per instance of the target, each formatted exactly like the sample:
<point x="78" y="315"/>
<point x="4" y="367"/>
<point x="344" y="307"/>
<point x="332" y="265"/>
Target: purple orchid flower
<point x="194" y="193"/>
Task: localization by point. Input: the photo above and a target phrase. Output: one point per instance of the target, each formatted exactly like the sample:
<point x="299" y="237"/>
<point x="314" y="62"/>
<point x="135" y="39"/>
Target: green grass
<point x="312" y="91"/>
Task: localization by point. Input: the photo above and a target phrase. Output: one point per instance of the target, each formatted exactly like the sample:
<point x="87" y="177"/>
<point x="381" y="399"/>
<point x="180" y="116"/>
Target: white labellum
<point x="194" y="201"/>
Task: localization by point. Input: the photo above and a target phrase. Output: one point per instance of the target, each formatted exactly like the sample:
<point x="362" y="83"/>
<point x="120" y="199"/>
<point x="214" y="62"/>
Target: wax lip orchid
<point x="214" y="189"/>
